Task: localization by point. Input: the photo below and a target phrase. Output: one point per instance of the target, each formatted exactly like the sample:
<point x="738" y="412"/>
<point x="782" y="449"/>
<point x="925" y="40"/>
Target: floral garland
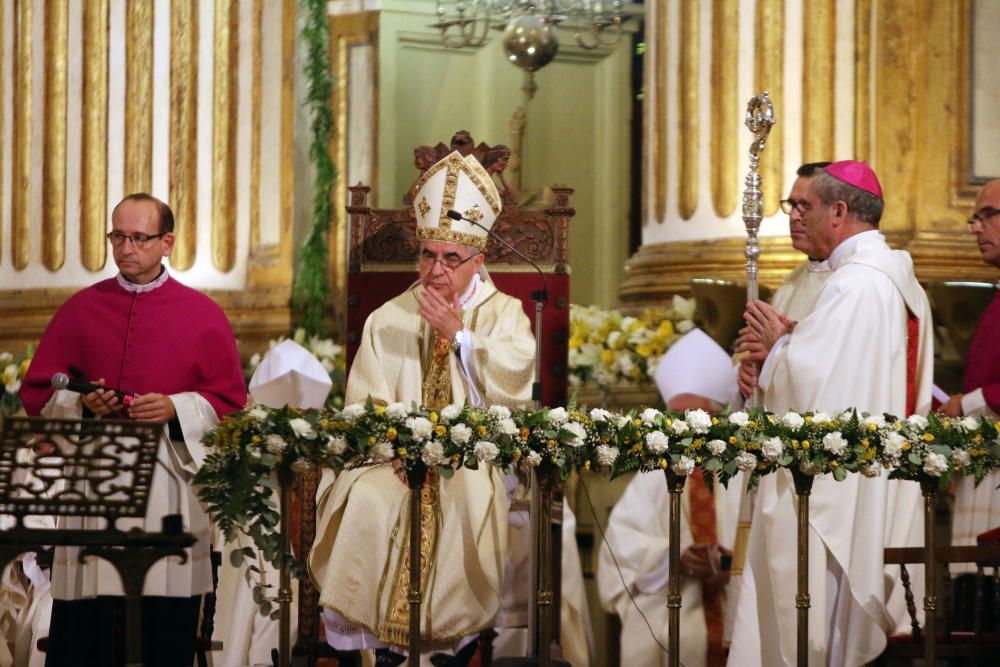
<point x="12" y="372"/>
<point x="247" y="448"/>
<point x="609" y="348"/>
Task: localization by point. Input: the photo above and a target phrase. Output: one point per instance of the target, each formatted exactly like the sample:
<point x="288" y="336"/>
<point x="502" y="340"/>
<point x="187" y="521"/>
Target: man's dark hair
<point x="864" y="206"/>
<point x="811" y="168"/>
<point x="163" y="212"/>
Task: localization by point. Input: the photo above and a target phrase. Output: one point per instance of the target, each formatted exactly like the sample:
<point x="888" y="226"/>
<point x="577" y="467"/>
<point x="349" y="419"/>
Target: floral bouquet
<point x="608" y="347"/>
<point x="331" y="355"/>
<point x="12" y="372"/>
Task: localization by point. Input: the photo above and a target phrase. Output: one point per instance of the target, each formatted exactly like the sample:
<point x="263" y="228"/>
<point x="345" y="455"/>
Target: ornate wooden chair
<point x="382" y="263"/>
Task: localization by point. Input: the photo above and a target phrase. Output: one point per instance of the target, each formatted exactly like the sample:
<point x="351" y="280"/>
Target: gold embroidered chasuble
<point x="359" y="557"/>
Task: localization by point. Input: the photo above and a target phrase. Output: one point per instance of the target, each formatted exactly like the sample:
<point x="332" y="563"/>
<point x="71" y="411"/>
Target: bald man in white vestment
<point x="867" y="344"/>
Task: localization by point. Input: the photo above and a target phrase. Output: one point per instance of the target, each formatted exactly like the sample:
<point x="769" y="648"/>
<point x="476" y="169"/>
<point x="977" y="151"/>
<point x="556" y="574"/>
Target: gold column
<point x="659" y="111"/>
<point x="54" y="159"/>
<point x="21" y="169"/>
<point x="725" y="109"/>
<point x="94" y="138"/>
<point x="258" y="17"/>
<point x="224" y="135"/>
<point x="769" y="75"/>
<point x="862" y="80"/>
<point x="138" y="95"/>
<point x="819" y="35"/>
<point x="184" y="129"/>
<point x="688" y="108"/>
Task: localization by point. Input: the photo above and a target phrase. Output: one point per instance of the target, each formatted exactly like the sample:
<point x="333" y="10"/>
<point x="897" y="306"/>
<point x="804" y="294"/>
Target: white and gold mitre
<point x="460" y="184"/>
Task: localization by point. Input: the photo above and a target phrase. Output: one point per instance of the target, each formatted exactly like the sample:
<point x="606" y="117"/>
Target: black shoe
<point x="460" y="659"/>
<point x="386" y="658"/>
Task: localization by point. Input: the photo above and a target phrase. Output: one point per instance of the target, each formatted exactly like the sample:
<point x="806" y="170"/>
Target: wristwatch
<point x="456" y="342"/>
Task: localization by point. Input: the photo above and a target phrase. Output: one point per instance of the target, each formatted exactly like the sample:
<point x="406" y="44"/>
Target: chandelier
<point x="529" y="35"/>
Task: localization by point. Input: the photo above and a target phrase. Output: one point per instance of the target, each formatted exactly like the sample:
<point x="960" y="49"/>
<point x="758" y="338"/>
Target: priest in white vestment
<point x="452" y="337"/>
<point x="867" y="344"/>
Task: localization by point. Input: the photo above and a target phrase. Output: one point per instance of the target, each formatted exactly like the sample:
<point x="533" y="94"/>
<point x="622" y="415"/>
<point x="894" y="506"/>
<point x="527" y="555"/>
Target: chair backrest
<point x="957" y="306"/>
<point x="720" y="305"/>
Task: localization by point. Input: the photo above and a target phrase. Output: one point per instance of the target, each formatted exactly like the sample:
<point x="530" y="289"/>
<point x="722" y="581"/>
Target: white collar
<point x="465" y="301"/>
<point x="817" y="265"/>
<point x="142" y="289"/>
<point x="848" y="246"/>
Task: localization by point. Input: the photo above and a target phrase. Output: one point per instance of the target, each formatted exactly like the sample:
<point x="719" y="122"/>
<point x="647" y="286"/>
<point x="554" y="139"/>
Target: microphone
<point x="63" y="381"/>
<point x="538" y="296"/>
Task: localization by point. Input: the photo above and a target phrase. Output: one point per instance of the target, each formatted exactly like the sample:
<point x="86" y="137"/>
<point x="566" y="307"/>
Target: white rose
<point x="397" y="410"/>
<point x="918" y="421"/>
<point x="834" y="443"/>
<point x="793" y="420"/>
<point x="935" y="464"/>
<point x="873" y="469"/>
<point x="579" y="434"/>
<point x="970" y="423"/>
<point x="739" y="418"/>
<point x="892" y="445"/>
<point x="699" y="421"/>
<point x="508" y="427"/>
<point x="257" y="413"/>
<point x="599" y="414"/>
<point x="420" y="427"/>
<point x="336" y="444"/>
<point x="500" y="411"/>
<point x="621" y="419"/>
<point x="558" y="415"/>
<point x="821" y="418"/>
<point x="450" y="412"/>
<point x="485" y="451"/>
<point x="679" y="427"/>
<point x="532" y="459"/>
<point x="746" y="461"/>
<point x="13" y="385"/>
<point x="960" y="457"/>
<point x="301" y="428"/>
<point x="432" y="453"/>
<point x="846" y="415"/>
<point x="382" y="452"/>
<point x="606" y="455"/>
<point x="657" y="442"/>
<point x="683" y="467"/>
<point x="275" y="444"/>
<point x="353" y="411"/>
<point x="772" y="449"/>
<point x="624" y="361"/>
<point x="716" y="447"/>
<point x="460" y="434"/>
<point x="649" y="415"/>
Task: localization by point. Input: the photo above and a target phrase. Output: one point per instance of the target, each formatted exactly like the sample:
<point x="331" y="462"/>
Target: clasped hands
<point x="146" y="407"/>
<point x="765" y="325"/>
<point x="704" y="562"/>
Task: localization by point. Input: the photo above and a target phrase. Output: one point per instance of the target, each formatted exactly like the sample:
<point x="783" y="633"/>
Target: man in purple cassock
<point x="977" y="508"/>
<point x="147" y="335"/>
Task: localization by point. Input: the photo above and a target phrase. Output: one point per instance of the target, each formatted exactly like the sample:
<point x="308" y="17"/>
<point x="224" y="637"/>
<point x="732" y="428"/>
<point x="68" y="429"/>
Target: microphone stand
<point x="540" y="585"/>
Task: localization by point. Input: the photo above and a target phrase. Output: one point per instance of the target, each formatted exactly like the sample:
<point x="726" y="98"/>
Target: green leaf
<point x="236" y="557"/>
<point x="839" y="474"/>
<point x="712" y="465"/>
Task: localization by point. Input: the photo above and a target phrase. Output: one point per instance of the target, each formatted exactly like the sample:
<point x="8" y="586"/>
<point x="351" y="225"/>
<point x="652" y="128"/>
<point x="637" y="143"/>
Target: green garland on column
<point x="311" y="286"/>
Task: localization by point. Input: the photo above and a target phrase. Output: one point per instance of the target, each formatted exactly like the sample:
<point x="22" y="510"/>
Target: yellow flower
<point x="663" y="464"/>
<point x="834" y="464"/>
<point x="864" y="442"/>
<point x="550" y="442"/>
<point x="795" y="444"/>
<point x="255" y="438"/>
<point x="524" y="433"/>
<point x="433" y="417"/>
<point x="732" y="440"/>
<point x="608" y="356"/>
<point x="371" y="440"/>
<point x="23" y="369"/>
<point x="809" y="419"/>
<point x="978" y="438"/>
<point x="805" y="444"/>
<point x="644" y="350"/>
<point x="928" y="437"/>
<point x="905" y="447"/>
<point x="666" y="328"/>
<point x="872" y="427"/>
<point x="402" y="452"/>
<point x="575" y="341"/>
<point x="715" y="420"/>
<point x="440" y="429"/>
<point x="390" y="433"/>
<point x="586" y="465"/>
<point x="380" y="409"/>
<point x="517" y="455"/>
<point x="481" y="430"/>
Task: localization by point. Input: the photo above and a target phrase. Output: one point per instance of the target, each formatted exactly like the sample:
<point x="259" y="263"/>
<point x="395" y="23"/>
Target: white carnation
<point x="960" y="457"/>
<point x="485" y="451"/>
<point x="878" y="421"/>
<point x="599" y="414"/>
<point x="397" y="410"/>
<point x="935" y="465"/>
<point x="834" y="443"/>
<point x="679" y="427"/>
<point x="684" y="466"/>
<point x="620" y="419"/>
<point x="821" y="418"/>
<point x="432" y="453"/>
<point x="257" y="413"/>
<point x="558" y="415"/>
<point x="657" y="442"/>
<point x="336" y="444"/>
<point x="460" y="434"/>
<point x="275" y="444"/>
<point x="353" y="411"/>
<point x="508" y="427"/>
<point x="793" y="420"/>
<point x="739" y="418"/>
<point x="918" y="421"/>
<point x="892" y="445"/>
<point x="746" y="461"/>
<point x="301" y="428"/>
<point x="579" y="434"/>
<point x="606" y="455"/>
<point x="649" y="415"/>
<point x="716" y="447"/>
<point x="772" y="449"/>
<point x="500" y="411"/>
<point x="450" y="412"/>
<point x="699" y="421"/>
<point x="532" y="459"/>
<point x="420" y="427"/>
<point x="382" y="452"/>
<point x="970" y="423"/>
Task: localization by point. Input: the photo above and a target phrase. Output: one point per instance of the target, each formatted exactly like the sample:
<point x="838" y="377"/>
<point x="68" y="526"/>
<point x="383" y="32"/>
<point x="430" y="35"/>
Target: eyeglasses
<point x="139" y="240"/>
<point x="449" y="261"/>
<point x="789" y="205"/>
<point x="982" y="215"/>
